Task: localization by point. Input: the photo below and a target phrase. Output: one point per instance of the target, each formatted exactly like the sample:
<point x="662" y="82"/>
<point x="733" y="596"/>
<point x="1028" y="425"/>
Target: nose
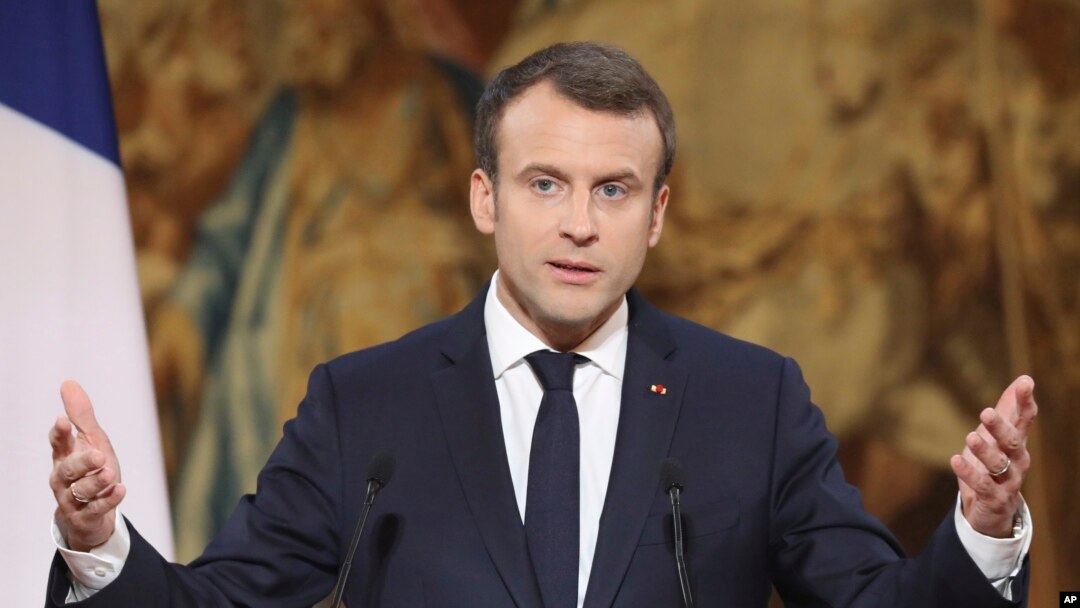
<point x="577" y="222"/>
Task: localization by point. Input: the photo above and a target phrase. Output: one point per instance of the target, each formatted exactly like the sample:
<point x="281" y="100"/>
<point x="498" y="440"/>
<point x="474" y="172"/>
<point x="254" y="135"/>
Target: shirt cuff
<point x="999" y="559"/>
<point x="89" y="572"/>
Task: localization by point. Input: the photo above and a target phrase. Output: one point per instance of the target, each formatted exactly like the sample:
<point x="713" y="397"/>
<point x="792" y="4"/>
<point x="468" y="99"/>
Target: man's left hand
<point x="995" y="459"/>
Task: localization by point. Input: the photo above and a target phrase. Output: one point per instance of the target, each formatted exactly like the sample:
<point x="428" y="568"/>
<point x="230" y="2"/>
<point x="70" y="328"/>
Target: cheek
<point x="632" y="253"/>
<point x="513" y="247"/>
<point x="520" y="235"/>
<point x="637" y="238"/>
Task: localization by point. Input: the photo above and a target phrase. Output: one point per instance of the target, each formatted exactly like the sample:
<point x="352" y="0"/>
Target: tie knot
<point x="555" y="370"/>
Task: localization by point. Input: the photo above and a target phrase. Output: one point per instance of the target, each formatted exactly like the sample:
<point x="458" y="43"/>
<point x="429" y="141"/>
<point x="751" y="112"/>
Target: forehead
<point x="543" y="126"/>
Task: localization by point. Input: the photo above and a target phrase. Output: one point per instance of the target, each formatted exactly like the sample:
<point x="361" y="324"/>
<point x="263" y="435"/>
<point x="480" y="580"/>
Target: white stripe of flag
<point x="69" y="301"/>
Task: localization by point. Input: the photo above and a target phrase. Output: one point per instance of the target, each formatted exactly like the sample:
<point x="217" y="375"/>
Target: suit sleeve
<point x="825" y="550"/>
<point x="280" y="547"/>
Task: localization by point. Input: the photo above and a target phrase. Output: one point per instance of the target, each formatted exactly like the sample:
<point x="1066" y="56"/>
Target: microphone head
<point x="671" y="474"/>
<point x="381" y="468"/>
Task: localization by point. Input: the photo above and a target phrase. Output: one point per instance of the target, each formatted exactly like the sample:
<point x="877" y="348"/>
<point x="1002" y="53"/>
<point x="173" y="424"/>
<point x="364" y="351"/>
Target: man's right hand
<point x="86" y="475"/>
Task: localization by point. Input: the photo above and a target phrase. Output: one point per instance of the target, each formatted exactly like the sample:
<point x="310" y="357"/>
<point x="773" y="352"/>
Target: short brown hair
<point x="595" y="76"/>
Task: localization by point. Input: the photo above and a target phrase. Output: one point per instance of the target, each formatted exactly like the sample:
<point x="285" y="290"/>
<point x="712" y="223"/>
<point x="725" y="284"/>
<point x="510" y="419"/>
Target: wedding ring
<point x="1004" y="469"/>
<point x="78" y="497"/>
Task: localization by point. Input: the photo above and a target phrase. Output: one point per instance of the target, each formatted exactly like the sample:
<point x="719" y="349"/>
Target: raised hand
<point x="86" y="475"/>
<point x="995" y="460"/>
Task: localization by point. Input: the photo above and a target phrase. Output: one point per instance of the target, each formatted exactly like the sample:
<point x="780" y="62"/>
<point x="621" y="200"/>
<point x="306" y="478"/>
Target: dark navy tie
<point x="552" y="498"/>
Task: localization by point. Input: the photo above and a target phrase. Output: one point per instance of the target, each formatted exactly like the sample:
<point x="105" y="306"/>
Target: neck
<point x="562" y="337"/>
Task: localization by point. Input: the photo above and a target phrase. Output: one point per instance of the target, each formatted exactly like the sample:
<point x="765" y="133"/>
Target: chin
<point x="574" y="318"/>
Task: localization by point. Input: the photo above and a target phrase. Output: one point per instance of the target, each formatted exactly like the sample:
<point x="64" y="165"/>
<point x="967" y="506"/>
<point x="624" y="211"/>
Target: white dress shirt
<point x="598" y="392"/>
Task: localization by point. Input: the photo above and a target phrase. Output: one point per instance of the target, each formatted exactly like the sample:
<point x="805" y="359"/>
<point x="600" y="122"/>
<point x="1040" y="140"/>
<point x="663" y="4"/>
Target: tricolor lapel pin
<point x="659" y="389"/>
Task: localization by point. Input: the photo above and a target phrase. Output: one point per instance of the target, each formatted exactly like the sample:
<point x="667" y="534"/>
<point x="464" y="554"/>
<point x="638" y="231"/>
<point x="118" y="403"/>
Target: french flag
<point x="69" y="297"/>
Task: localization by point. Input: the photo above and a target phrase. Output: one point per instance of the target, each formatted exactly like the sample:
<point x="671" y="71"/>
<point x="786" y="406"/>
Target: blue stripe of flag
<point x="52" y="69"/>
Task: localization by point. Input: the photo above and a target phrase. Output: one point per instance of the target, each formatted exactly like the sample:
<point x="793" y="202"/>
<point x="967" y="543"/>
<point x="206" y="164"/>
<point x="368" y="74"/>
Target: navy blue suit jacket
<point x="765" y="502"/>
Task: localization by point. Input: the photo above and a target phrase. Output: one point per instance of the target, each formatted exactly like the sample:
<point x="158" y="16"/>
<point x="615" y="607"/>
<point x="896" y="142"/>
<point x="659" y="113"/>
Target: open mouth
<point x="573" y="267"/>
<point x="574" y="273"/>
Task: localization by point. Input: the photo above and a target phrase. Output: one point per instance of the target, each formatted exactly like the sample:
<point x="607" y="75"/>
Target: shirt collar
<point x="509" y="341"/>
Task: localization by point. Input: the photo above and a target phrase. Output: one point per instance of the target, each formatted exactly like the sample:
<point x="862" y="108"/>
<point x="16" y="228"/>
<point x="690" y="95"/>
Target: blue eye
<point x="611" y="190"/>
<point x="544" y="185"/>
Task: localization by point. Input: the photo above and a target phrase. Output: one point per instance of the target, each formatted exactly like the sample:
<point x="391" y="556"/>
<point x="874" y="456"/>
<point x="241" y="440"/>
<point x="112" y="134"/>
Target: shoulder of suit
<point x="417" y="349"/>
<point x="706" y="346"/>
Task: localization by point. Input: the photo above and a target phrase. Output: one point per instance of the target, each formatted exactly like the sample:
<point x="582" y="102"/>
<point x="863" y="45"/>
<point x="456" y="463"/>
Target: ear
<point x="482" y="201"/>
<point x="659" y="206"/>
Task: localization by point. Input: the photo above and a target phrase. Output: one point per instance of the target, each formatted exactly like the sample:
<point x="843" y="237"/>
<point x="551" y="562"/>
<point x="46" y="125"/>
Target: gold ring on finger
<point x="78" y="497"/>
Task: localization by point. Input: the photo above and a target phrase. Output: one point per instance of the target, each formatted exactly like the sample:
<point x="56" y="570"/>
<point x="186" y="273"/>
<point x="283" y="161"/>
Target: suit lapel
<point x="646" y="424"/>
<point x="469" y="408"/>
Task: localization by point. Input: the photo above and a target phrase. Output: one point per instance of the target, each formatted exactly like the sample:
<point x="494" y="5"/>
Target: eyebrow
<point x="627" y="175"/>
<point x="534" y="168"/>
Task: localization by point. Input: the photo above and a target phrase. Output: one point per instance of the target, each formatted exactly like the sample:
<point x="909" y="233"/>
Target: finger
<point x="1008" y="404"/>
<point x="960" y="464"/>
<point x="91" y="513"/>
<point x="966" y="493"/>
<point x="978" y="480"/>
<point x="983" y="431"/>
<point x="95" y="485"/>
<point x="79" y="465"/>
<point x="107" y="501"/>
<point x="80" y="411"/>
<point x="1009" y="440"/>
<point x="971" y="458"/>
<point x="61" y="439"/>
<point x="990" y="457"/>
<point x="1024" y="391"/>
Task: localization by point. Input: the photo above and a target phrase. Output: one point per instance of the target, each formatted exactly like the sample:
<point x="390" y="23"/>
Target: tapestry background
<point x="887" y="190"/>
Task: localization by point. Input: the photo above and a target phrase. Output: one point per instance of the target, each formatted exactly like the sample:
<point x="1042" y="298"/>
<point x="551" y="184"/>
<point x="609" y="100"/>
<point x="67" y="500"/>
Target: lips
<point x="572" y="272"/>
<point x="574" y="266"/>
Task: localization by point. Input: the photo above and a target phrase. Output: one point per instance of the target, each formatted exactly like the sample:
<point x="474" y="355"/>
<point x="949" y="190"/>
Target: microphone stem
<point x="373" y="488"/>
<point x="680" y="558"/>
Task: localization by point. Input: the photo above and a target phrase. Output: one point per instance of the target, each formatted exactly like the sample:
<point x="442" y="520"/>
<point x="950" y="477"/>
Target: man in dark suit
<point x="529" y="428"/>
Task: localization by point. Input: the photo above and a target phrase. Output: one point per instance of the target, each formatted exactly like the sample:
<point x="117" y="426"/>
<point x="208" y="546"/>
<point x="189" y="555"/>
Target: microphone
<point x="673" y="479"/>
<point x="379" y="472"/>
